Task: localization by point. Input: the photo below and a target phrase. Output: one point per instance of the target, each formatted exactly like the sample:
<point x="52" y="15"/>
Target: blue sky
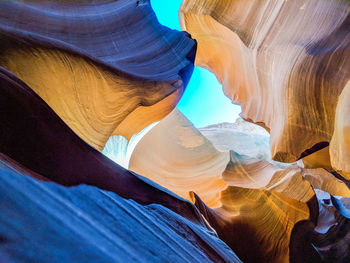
<point x="204" y="102"/>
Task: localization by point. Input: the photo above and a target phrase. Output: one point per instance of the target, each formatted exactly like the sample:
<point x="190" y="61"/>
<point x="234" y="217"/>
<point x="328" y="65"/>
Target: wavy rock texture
<point x="275" y="228"/>
<point x="340" y="143"/>
<point x="269" y="203"/>
<point x="177" y="156"/>
<point x="86" y="224"/>
<point x="286" y="79"/>
<point x="84" y="221"/>
<point x="256" y="223"/>
<point x="101" y="76"/>
<point x="327" y="232"/>
<point x="40" y="141"/>
<point x="262" y="205"/>
<point x="74" y="74"/>
<point x="255" y="197"/>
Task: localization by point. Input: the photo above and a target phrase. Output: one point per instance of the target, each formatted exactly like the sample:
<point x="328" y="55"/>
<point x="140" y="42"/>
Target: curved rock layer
<point x="51" y="223"/>
<point x="268" y="203"/>
<point x="119" y="149"/>
<point x="94" y="65"/>
<point x="177" y="156"/>
<point x="286" y="79"/>
<point x="274" y="228"/>
<point x="292" y="181"/>
<point x="40" y="141"/>
<point x="327" y="232"/>
<point x="255" y="197"/>
<point x="256" y="223"/>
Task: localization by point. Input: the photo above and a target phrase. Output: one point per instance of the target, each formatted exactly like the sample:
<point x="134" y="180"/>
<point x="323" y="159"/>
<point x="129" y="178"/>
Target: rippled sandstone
<point x="74" y="74"/>
<point x="255" y="196"/>
<point x="285" y="62"/>
<point x="101" y="76"/>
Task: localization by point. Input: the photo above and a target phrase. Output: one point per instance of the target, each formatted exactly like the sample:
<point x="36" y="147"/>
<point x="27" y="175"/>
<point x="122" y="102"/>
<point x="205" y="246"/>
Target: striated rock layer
<point x="285" y="62"/>
<point x="105" y="67"/>
<point x="254" y="196"/>
<point x="76" y="74"/>
<point x="52" y="223"/>
<point x="177" y="156"/>
<point x="40" y="141"/>
<point x="84" y="221"/>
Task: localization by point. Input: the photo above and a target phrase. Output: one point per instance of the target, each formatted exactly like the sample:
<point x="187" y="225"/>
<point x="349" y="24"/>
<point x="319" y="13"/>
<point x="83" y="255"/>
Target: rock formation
<point x="177" y="156"/>
<point x="254" y="196"/>
<point x="51" y="223"/>
<point x="44" y="144"/>
<point x="84" y="220"/>
<point x="79" y="77"/>
<point x="119" y="149"/>
<point x="242" y="137"/>
<point x="101" y="76"/>
<point x="285" y="62"/>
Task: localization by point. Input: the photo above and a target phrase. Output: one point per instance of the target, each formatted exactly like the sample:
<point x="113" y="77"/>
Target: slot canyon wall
<point x="286" y="63"/>
<point x="78" y="78"/>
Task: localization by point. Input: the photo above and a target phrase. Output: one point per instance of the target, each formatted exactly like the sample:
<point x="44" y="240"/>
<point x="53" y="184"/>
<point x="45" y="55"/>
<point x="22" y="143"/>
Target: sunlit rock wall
<point x="285" y="62"/>
<point x="177" y="156"/>
<point x="255" y="196"/>
<point x="77" y="74"/>
<point x="130" y="218"/>
<point x="241" y="137"/>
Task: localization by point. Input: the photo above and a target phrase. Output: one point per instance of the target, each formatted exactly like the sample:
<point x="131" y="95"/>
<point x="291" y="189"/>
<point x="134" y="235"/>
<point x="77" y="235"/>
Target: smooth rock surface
<point x="177" y="156"/>
<point x="285" y="62"/>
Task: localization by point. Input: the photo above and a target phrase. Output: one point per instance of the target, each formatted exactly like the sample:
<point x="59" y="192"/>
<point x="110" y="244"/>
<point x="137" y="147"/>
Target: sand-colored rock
<point x="42" y="143"/>
<point x="258" y="204"/>
<point x="92" y="101"/>
<point x="285" y="62"/>
<point x="257" y="224"/>
<point x="340" y="143"/>
<point x="177" y="156"/>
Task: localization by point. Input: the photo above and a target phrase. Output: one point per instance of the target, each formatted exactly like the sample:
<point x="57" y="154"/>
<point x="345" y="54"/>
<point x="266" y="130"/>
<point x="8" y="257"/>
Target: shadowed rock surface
<point x="105" y="67"/>
<point x="45" y="222"/>
<point x="76" y="74"/>
<point x="43" y="143"/>
<point x="255" y="197"/>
